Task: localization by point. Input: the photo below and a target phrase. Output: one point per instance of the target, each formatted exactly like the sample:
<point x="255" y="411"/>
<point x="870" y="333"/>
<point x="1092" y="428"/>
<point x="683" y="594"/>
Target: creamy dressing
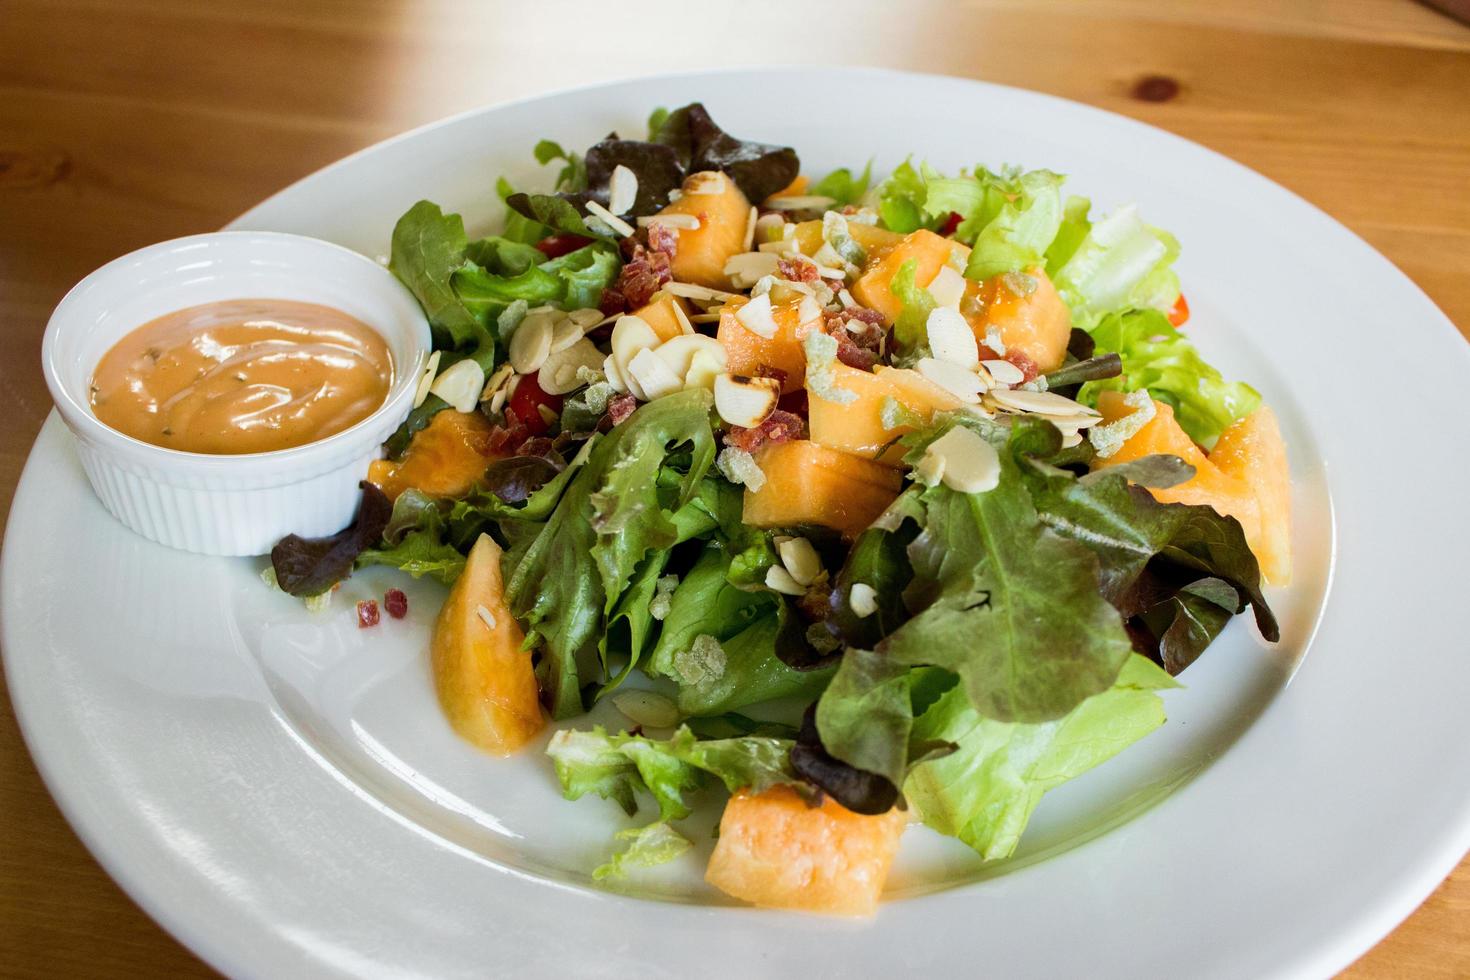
<point x="242" y="376"/>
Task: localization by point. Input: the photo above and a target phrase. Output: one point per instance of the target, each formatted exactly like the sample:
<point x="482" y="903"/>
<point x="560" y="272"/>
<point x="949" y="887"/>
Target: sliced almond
<point x="530" y="344"/>
<point x="562" y="371"/>
<point x="655" y="377"/>
<point x="846" y="299"/>
<point x="486" y="616"/>
<point x="800" y="202"/>
<point x="1040" y="402"/>
<point x="705" y="182"/>
<point x="971" y="464"/>
<point x="497" y="400"/>
<point x="630" y="335"/>
<point x="674" y="219"/>
<point x="647" y="708"/>
<point x="862" y="599"/>
<point x="782" y="248"/>
<point x="800" y="559"/>
<point x="497" y="381"/>
<point x="564" y="334"/>
<point x="930" y="469"/>
<point x="964" y="385"/>
<point x="951" y="339"/>
<point x="684" y="325"/>
<point x="431" y="368"/>
<point x="617" y="224"/>
<point x="756" y="317"/>
<point x="704" y="368"/>
<point x="678" y="352"/>
<point x="744" y="268"/>
<point x="749" y="240"/>
<point x="1004" y="372"/>
<point x="614" y="375"/>
<point x="948" y="287"/>
<point x="586" y="318"/>
<point x="702" y="294"/>
<point x="548" y="415"/>
<point x="778" y="578"/>
<point x="460" y="385"/>
<point x="622" y="190"/>
<point x="769" y="228"/>
<point x="808" y="310"/>
<point x="746" y="401"/>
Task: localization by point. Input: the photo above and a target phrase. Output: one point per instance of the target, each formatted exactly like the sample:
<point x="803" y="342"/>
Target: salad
<point x="865" y="502"/>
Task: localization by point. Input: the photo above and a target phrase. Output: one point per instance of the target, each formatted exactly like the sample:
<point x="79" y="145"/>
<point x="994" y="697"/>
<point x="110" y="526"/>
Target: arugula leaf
<point x="911" y="327"/>
<point x="311" y="566"/>
<point x="986" y="790"/>
<point x="413" y="541"/>
<point x="607" y="520"/>
<point x="1004" y="601"/>
<point x="1160" y="359"/>
<point x="658" y="843"/>
<point x="428" y="246"/>
<point x="842" y="186"/>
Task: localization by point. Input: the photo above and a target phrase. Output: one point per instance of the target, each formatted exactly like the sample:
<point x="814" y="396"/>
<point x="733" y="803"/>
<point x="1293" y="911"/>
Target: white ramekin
<point x="228" y="505"/>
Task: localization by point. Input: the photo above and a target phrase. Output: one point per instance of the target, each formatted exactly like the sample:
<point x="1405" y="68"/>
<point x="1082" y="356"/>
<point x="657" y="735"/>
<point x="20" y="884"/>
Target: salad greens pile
<point x="1018" y="636"/>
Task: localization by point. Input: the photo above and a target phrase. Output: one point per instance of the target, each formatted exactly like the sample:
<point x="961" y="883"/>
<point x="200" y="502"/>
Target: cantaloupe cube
<point x="748" y="351"/>
<point x="1253" y="452"/>
<point x="874" y="240"/>
<point x="930" y="253"/>
<point x="483" y="678"/>
<point x="703" y="251"/>
<point x="811" y="484"/>
<point x="796" y="188"/>
<point x="659" y="314"/>
<point x="777" y="852"/>
<point x="857" y="426"/>
<point x="1037" y="323"/>
<point x="1209" y="486"/>
<point x="445" y="458"/>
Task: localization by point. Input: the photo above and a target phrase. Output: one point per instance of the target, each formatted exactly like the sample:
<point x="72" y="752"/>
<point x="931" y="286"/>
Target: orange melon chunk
<point x="811" y="484"/>
<point x="777" y="852"/>
<point x="483" y="678"/>
<point x="873" y="239"/>
<point x="857" y="426"/>
<point x="748" y="351"/>
<point x="929" y="251"/>
<point x="1253" y="452"/>
<point x="1037" y="324"/>
<point x="659" y="314"/>
<point x="444" y="459"/>
<point x="703" y="251"/>
<point x="1210" y="486"/>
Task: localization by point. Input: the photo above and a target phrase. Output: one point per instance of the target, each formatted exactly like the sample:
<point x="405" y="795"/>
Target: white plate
<point x="281" y="793"/>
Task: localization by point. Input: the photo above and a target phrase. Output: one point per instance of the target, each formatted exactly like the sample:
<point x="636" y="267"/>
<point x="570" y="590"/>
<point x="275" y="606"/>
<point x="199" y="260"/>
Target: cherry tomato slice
<point x="555" y="246"/>
<point x="951" y="223"/>
<point x="526" y="404"/>
<point x="1179" y="312"/>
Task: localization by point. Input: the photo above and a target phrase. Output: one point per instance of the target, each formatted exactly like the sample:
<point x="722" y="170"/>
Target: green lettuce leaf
<point x="842" y="186"/>
<point x="1159" y="358"/>
<point x="585" y="273"/>
<point x="865" y="716"/>
<point x="901" y="201"/>
<point x="647" y="847"/>
<point x="428" y="247"/>
<point x="910" y="330"/>
<point x="1004" y="601"/>
<point x="1114" y="264"/>
<point x="1009" y="219"/>
<point x="502" y="256"/>
<point x="518" y="227"/>
<point x="414" y="541"/>
<point x="985" y="791"/>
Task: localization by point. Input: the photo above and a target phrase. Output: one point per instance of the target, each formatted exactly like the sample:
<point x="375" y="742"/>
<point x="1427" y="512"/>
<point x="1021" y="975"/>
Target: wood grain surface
<point x="123" y="123"/>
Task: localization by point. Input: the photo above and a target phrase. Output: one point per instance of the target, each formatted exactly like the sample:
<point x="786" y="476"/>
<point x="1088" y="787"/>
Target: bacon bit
<point x="951" y="223"/>
<point x="644" y="273"/>
<point x="396" y="603"/>
<point x="619" y="407"/>
<point x="781" y="426"/>
<point x="662" y="238"/>
<point x="367" y="613"/>
<point x="612" y="302"/>
<point x="1025" y="364"/>
<point x="861" y="349"/>
<point x="555" y="246"/>
<point x="797" y="270"/>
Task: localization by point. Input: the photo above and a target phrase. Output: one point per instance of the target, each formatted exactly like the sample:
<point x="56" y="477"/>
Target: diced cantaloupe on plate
<point x="857" y="426"/>
<point x="659" y="314"/>
<point x="929" y="252"/>
<point x="1253" y="451"/>
<point x="873" y="239"/>
<point x="483" y="678"/>
<point x="444" y="459"/>
<point x="703" y="251"/>
<point x="749" y="352"/>
<point x="776" y="851"/>
<point x="811" y="484"/>
<point x="1035" y="321"/>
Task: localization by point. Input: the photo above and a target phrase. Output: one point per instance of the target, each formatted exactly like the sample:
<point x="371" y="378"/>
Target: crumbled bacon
<point x="367" y="613"/>
<point x="1027" y="366"/>
<point x="644" y="273"/>
<point x="859" y="346"/>
<point x="662" y="238"/>
<point x="619" y="407"/>
<point x="797" y="270"/>
<point x="612" y="302"/>
<point x="396" y="603"/>
<point x="781" y="426"/>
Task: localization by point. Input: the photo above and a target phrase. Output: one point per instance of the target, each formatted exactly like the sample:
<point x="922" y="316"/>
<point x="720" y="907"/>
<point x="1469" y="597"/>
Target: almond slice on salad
<point x="951" y="339"/>
<point x="969" y="463"/>
<point x="800" y="202"/>
<point x="586" y="318"/>
<point x="562" y="371"/>
<point x="530" y="344"/>
<point x="622" y="190"/>
<point x="801" y="559"/>
<point x="426" y="380"/>
<point x="756" y="316"/>
<point x="749" y="241"/>
<point x="630" y="334"/>
<point x="746" y="268"/>
<point x="614" y="375"/>
<point x="746" y="401"/>
<point x="770" y="227"/>
<point x="564" y="334"/>
<point x="678" y="352"/>
<point x="948" y="288"/>
<point x="862" y="599"/>
<point x="679" y="222"/>
<point x="1040" y="402"/>
<point x="460" y="385"/>
<point x="705" y="182"/>
<point x="964" y="385"/>
<point x="1004" y="372"/>
<point x="497" y="381"/>
<point x="652" y="375"/>
<point x="618" y="225"/>
<point x="700" y="294"/>
<point x="704" y="368"/>
<point x="647" y="708"/>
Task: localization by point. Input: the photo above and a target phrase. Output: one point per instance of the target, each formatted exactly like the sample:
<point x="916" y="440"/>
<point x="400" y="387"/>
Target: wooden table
<point x="125" y="123"/>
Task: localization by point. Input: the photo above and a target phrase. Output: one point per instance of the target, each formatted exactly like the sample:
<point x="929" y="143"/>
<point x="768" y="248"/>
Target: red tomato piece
<point x="525" y="404"/>
<point x="1179" y="312"/>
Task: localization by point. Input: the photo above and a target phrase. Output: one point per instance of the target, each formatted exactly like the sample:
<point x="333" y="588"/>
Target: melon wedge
<point x="1253" y="452"/>
<point x="444" y="459"/>
<point x="748" y="352"/>
<point x="483" y="678"/>
<point x="659" y="314"/>
<point x="776" y="851"/>
<point x="857" y="426"/>
<point x="810" y="484"/>
<point x="1037" y="324"/>
<point x="703" y="251"/>
<point x="929" y="252"/>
